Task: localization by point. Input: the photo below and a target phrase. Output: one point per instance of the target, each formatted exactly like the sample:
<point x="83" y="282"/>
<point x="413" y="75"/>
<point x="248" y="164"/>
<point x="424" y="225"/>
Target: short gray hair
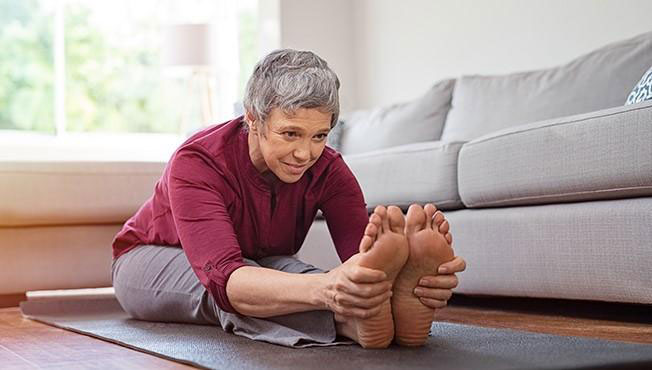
<point x="291" y="79"/>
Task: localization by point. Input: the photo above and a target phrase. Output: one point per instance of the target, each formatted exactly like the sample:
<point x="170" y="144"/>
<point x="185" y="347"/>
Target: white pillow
<point x="411" y="122"/>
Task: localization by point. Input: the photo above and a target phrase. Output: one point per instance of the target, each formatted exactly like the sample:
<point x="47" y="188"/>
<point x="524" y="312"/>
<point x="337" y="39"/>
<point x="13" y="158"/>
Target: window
<point x="85" y="66"/>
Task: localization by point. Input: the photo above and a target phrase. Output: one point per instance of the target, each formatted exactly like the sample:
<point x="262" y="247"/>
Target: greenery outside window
<point x="84" y="66"/>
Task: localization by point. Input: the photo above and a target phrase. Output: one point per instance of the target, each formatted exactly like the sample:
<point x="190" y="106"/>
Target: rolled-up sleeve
<point x="344" y="209"/>
<point x="196" y="192"/>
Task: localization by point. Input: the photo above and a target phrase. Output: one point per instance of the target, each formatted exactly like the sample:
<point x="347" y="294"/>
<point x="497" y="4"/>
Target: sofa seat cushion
<point x="74" y="192"/>
<point x="600" y="155"/>
<point x="413" y="173"/>
<point x="598" y="80"/>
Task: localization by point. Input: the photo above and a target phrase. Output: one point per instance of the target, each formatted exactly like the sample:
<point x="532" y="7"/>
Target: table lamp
<point x="191" y="46"/>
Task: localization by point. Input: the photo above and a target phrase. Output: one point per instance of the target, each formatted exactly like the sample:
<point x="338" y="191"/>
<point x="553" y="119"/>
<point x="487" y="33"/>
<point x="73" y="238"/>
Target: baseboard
<point x="11" y="300"/>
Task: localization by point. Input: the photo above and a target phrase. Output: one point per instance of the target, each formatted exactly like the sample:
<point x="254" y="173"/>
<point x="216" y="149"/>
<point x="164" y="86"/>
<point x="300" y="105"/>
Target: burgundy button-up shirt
<point x="212" y="202"/>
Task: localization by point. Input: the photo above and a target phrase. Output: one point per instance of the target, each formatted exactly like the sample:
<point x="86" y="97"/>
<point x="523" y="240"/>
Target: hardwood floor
<point x="27" y="344"/>
<point x="612" y="321"/>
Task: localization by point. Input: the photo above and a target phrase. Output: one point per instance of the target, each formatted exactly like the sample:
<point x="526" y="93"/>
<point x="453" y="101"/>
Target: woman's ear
<point x="251" y="122"/>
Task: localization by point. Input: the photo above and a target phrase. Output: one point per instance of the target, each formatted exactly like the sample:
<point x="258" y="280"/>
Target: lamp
<point x="191" y="46"/>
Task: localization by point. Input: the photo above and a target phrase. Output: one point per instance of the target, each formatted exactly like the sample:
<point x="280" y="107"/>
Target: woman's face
<point x="287" y="145"/>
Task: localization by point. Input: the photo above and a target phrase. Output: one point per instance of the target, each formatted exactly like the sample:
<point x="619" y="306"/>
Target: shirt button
<point x="207" y="268"/>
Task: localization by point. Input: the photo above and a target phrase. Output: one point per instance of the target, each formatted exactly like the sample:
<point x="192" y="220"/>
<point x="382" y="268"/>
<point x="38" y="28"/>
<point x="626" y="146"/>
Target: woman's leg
<point x="156" y="283"/>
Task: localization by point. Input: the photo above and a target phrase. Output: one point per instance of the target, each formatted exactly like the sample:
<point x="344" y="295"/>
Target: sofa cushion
<point x="598" y="80"/>
<point x="74" y="192"/>
<point x="415" y="121"/>
<point x="643" y="89"/>
<point x="600" y="155"/>
<point x="420" y="172"/>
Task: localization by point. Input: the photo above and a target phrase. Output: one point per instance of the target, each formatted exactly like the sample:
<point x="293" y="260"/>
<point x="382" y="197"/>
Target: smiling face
<point x="287" y="145"/>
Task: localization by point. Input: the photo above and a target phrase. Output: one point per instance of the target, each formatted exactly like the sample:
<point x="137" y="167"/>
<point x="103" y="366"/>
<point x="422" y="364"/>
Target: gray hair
<point x="290" y="79"/>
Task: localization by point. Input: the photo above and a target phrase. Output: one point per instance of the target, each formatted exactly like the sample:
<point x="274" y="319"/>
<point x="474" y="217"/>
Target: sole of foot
<point x="383" y="247"/>
<point x="429" y="241"/>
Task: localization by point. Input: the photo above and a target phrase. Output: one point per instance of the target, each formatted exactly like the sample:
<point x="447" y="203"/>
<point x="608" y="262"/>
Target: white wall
<point x="405" y="46"/>
<point x="325" y="27"/>
<point x="386" y="51"/>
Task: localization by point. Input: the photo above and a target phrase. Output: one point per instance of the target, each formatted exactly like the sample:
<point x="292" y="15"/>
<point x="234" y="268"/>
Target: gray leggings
<point x="156" y="283"/>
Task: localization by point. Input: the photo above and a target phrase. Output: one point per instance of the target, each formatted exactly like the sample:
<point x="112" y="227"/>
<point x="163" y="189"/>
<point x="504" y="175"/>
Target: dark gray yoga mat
<point x="451" y="346"/>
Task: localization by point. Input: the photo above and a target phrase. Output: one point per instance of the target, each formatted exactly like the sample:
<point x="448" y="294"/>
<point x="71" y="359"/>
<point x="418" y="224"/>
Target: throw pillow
<point x="594" y="81"/>
<point x="643" y="89"/>
<point x="416" y="121"/>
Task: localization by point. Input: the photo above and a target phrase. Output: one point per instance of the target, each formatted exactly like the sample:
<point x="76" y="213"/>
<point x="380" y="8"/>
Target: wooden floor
<point x="26" y="344"/>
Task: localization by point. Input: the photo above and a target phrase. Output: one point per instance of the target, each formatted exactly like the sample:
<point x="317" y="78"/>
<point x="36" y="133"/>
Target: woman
<point x="214" y="243"/>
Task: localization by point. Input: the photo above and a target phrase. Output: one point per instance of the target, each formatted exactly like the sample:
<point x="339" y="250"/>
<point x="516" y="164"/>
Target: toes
<point x="396" y="219"/>
<point x="438" y="218"/>
<point x="366" y="243"/>
<point x="371" y="230"/>
<point x="449" y="238"/>
<point x="430" y="210"/>
<point x="416" y="219"/>
<point x="377" y="221"/>
<point x="381" y="211"/>
<point x="444" y="227"/>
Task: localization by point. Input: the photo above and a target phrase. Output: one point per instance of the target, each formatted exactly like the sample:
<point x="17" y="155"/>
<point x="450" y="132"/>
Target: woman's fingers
<point x="456" y="265"/>
<point x="439" y="281"/>
<point x="367" y="290"/>
<point x="433" y="293"/>
<point x="357" y="291"/>
<point x="433" y="303"/>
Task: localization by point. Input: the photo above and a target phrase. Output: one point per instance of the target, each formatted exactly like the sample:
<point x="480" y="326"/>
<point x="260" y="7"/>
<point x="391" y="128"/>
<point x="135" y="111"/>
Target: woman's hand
<point x="355" y="291"/>
<point x="434" y="291"/>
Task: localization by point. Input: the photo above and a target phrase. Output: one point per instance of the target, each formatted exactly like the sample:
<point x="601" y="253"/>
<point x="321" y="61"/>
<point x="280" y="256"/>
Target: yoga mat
<point x="451" y="346"/>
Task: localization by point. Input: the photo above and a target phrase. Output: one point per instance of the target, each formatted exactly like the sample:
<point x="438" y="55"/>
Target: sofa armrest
<point x="605" y="154"/>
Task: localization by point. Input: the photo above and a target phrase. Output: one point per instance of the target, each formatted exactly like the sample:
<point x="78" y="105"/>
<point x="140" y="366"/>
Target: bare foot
<point x="383" y="247"/>
<point x="429" y="241"/>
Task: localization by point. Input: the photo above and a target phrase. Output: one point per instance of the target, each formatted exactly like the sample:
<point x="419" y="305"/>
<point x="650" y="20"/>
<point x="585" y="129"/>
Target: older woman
<point x="214" y="243"/>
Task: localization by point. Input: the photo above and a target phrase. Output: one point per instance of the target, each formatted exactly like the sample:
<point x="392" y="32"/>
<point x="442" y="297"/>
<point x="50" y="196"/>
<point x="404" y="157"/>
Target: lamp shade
<point x="187" y="45"/>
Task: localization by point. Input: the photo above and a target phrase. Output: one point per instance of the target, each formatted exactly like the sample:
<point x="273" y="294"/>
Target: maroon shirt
<point x="212" y="202"/>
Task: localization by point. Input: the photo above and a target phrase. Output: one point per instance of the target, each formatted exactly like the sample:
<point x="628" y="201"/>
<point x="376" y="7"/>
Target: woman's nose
<point x="302" y="152"/>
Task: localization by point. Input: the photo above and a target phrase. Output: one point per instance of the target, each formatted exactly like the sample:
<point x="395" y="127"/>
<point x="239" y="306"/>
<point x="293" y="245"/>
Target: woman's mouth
<point x="295" y="169"/>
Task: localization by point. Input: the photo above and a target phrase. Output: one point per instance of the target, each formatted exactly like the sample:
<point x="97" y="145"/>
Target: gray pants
<point x="156" y="283"/>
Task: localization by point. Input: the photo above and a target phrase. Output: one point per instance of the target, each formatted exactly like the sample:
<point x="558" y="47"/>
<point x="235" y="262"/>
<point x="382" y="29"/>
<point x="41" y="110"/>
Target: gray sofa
<point x="545" y="176"/>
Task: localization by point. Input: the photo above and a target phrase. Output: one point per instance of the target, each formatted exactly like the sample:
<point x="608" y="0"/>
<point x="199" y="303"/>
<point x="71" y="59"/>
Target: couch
<point x="545" y="176"/>
<point x="59" y="216"/>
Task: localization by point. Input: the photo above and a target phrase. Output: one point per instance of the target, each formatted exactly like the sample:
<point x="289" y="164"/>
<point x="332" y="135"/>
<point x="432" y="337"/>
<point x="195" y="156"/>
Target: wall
<point x="405" y="46"/>
<point x="386" y="51"/>
<point x="325" y="27"/>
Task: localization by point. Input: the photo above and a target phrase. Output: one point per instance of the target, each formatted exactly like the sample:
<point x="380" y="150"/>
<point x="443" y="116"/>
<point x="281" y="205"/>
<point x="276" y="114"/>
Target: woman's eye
<point x="321" y="136"/>
<point x="290" y="134"/>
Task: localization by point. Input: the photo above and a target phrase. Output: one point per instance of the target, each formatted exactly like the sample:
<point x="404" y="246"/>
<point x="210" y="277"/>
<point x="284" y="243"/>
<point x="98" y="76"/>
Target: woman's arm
<point x="262" y="292"/>
<point x="349" y="290"/>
